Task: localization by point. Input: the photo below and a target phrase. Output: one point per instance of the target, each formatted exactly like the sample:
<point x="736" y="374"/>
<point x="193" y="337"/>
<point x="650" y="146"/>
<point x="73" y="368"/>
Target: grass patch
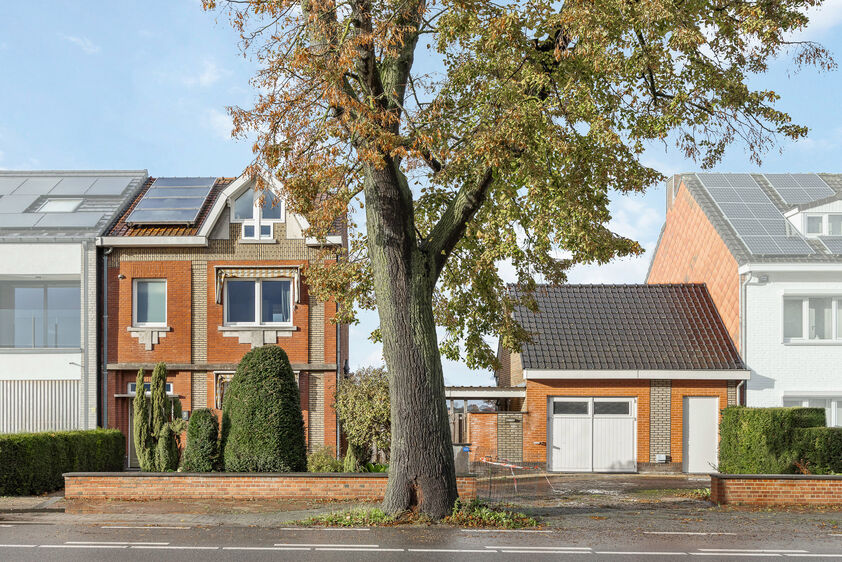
<point x="470" y="514"/>
<point x="478" y="514"/>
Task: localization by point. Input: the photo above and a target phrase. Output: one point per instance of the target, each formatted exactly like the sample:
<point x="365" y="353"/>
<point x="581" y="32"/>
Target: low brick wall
<point x="141" y="486"/>
<point x="775" y="489"/>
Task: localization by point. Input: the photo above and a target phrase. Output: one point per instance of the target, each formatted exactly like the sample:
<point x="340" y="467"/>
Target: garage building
<point x="622" y="378"/>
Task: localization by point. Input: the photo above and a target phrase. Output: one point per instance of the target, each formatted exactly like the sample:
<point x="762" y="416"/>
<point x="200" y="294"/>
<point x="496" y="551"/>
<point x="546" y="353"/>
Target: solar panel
<point x="756" y="220"/>
<point x="796" y="189"/>
<point x="833" y="243"/>
<point x="172" y="201"/>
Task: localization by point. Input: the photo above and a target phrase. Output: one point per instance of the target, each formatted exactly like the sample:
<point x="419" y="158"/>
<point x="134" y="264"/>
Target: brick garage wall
<point x="775" y="489"/>
<point x="510" y="436"/>
<point x="144" y="486"/>
<point x="482" y="434"/>
<point x="691" y="251"/>
<point x="535" y="419"/>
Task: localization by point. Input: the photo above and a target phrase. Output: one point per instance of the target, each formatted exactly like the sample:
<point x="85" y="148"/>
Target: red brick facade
<point x="147" y="486"/>
<point x="482" y="434"/>
<point x="691" y="251"/>
<point x="767" y="489"/>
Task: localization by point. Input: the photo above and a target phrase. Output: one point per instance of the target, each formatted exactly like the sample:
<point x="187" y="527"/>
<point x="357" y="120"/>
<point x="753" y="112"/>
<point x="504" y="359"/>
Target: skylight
<point x="60" y="205"/>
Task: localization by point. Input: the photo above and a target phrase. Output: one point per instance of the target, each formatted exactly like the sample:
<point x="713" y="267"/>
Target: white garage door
<point x="592" y="434"/>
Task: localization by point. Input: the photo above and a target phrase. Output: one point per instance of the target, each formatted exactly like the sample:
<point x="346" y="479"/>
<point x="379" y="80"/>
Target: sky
<point x="144" y="85"/>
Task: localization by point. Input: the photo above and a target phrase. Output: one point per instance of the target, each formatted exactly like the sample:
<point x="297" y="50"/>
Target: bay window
<point x="40" y="314"/>
<point x="258" y="212"/>
<point x="149" y="302"/>
<point x="258" y="302"/>
<point x="816" y="318"/>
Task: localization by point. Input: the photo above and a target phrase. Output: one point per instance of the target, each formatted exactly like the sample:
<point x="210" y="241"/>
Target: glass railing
<point x="38" y="329"/>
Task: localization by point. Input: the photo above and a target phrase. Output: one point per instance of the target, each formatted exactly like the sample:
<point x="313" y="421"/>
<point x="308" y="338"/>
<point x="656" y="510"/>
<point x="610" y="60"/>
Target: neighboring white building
<point x="769" y="247"/>
<point x="50" y="316"/>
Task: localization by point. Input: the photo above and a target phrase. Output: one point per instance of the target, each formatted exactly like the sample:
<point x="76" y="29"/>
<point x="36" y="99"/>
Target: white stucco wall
<point x="779" y="369"/>
<point x="41" y="259"/>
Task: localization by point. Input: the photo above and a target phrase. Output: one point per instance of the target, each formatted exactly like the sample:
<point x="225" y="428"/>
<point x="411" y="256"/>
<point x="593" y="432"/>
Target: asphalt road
<point x="45" y="542"/>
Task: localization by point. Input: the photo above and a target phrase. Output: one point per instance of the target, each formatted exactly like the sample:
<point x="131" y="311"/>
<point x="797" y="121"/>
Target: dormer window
<point x="258" y="213"/>
<point x="823" y="225"/>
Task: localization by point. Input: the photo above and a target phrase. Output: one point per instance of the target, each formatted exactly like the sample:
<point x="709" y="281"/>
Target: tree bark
<point x="421" y="470"/>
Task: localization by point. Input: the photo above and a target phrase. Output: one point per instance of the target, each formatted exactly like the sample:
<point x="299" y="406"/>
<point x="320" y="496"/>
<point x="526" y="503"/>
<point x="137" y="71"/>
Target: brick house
<point x="200" y="271"/>
<point x="769" y="249"/>
<point x="619" y="378"/>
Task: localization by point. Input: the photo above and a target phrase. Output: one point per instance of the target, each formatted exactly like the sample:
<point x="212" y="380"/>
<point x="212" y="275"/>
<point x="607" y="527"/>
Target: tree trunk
<point x="421" y="470"/>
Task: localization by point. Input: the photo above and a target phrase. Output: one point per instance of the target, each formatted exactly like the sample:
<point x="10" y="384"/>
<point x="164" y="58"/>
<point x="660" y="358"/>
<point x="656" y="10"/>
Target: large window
<point x="812" y="319"/>
<point x="258" y="302"/>
<point x="150" y="302"/>
<point x="258" y="212"/>
<point x="823" y="224"/>
<point x="832" y="407"/>
<point x="39" y="314"/>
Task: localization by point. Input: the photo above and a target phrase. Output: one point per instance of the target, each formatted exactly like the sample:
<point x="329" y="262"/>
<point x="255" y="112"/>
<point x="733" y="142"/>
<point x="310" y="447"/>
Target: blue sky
<point x="120" y="85"/>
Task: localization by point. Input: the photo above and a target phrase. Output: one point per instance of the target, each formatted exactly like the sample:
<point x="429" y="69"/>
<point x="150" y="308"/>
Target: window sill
<point x="257" y="336"/>
<point x="813" y="342"/>
<point x="257" y="241"/>
<point x="149" y="336"/>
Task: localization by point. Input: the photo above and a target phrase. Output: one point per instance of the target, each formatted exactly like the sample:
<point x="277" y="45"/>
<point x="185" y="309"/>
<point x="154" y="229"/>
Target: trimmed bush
<point x="201" y="454"/>
<point x="144" y="445"/>
<point x="33" y="463"/>
<point x="820" y="449"/>
<point x="262" y="426"/>
<point x="166" y="450"/>
<point x="323" y="460"/>
<point x="763" y="440"/>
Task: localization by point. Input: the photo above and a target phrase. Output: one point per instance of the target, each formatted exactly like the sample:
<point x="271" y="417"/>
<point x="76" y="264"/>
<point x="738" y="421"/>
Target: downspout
<point x="86" y="377"/>
<point x="104" y="348"/>
<point x="743" y="339"/>
<point x="338" y="371"/>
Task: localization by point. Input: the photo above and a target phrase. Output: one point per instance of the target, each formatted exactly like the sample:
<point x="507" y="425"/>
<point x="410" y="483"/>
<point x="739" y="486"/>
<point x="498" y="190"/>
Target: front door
<point x="701" y="433"/>
<point x="592" y="434"/>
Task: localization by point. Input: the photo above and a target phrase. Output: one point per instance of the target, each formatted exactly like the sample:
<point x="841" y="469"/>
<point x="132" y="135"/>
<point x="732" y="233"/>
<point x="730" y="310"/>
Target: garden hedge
<point x="33" y="463"/>
<point x="763" y="440"/>
<point x="820" y="449"/>
<point x="262" y="425"/>
<point x="202" y="451"/>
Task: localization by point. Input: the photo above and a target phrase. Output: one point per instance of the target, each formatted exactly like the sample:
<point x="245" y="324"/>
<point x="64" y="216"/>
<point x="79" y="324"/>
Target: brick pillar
<point x="732" y="393"/>
<point x="660" y="397"/>
<point x="510" y="436"/>
<point x="329" y="385"/>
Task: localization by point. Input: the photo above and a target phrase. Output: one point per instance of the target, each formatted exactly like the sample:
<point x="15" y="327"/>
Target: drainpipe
<point x="104" y="348"/>
<point x="338" y="371"/>
<point x="743" y="338"/>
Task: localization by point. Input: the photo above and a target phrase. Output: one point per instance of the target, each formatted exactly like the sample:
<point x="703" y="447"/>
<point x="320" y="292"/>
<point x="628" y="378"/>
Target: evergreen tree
<point x="144" y="447"/>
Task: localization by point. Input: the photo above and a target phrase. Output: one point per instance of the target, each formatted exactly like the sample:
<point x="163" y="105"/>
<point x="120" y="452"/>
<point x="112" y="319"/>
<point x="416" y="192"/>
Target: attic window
<point x="60" y="205"/>
<point x="258" y="212"/>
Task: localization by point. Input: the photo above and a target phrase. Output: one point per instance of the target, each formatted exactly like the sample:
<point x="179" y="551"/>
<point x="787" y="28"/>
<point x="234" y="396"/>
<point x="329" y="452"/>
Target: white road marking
<point x="264" y="548"/>
<point x="6" y="526"/>
<point x="446" y="550"/>
<point x="503" y="531"/>
<point x="814" y="555"/>
<point x="327" y="544"/>
<point x="635" y="552"/>
<point x="682" y="533"/>
<point x="364" y="549"/>
<point x="142" y="547"/>
<point x="140" y="527"/>
<point x="82" y="546"/>
<point x="548" y="547"/>
<point x="325" y="529"/>
<point x="116" y="542"/>
<point x="543" y="551"/>
<point x="768" y="554"/>
<point x="18" y="545"/>
<point x="780" y="551"/>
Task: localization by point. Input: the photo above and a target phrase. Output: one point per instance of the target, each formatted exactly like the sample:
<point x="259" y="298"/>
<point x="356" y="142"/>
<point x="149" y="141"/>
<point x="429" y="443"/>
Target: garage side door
<point x="615" y="435"/>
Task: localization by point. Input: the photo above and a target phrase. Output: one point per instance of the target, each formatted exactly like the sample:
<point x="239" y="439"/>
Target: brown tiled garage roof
<point x="626" y="327"/>
<point x="120" y="227"/>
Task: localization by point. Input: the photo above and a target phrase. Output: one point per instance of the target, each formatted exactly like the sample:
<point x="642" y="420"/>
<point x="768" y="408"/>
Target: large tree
<point x="476" y="132"/>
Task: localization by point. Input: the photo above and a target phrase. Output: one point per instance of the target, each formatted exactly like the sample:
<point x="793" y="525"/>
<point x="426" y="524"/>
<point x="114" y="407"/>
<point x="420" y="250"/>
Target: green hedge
<point x="32" y="463"/>
<point x="202" y="451"/>
<point x="820" y="448"/>
<point x="763" y="440"/>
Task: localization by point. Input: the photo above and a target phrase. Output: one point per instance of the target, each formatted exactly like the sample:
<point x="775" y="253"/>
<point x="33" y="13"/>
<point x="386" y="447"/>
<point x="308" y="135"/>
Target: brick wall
<point x="660" y="392"/>
<point x="145" y="486"/>
<point x="772" y="489"/>
<point x="482" y="434"/>
<point x="510" y="436"/>
<point x="691" y="251"/>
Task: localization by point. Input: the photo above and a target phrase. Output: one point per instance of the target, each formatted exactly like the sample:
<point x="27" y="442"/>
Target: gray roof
<point x="625" y="327"/>
<point x="83" y="203"/>
<point x="816" y="251"/>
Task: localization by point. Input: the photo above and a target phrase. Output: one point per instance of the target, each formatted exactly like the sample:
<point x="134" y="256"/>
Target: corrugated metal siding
<point x="41" y="405"/>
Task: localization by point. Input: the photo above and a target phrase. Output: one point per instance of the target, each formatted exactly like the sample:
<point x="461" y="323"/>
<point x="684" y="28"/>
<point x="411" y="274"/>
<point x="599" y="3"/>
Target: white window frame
<point x="825" y="230"/>
<point x="835" y="303"/>
<point x="257" y="219"/>
<point x="831" y="402"/>
<point x="131" y="388"/>
<point x="258" y="298"/>
<point x="137" y="324"/>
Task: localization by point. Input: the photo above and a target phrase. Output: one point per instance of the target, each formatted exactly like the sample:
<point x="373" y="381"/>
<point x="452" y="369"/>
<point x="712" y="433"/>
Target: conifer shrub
<point x="201" y="454"/>
<point x="820" y="449"/>
<point x="263" y="429"/>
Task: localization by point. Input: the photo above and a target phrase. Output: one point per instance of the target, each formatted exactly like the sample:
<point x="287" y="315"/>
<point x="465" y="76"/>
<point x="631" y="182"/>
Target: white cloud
<point x="219" y="123"/>
<point x="824" y="17"/>
<point x="209" y="74"/>
<point x="88" y="46"/>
